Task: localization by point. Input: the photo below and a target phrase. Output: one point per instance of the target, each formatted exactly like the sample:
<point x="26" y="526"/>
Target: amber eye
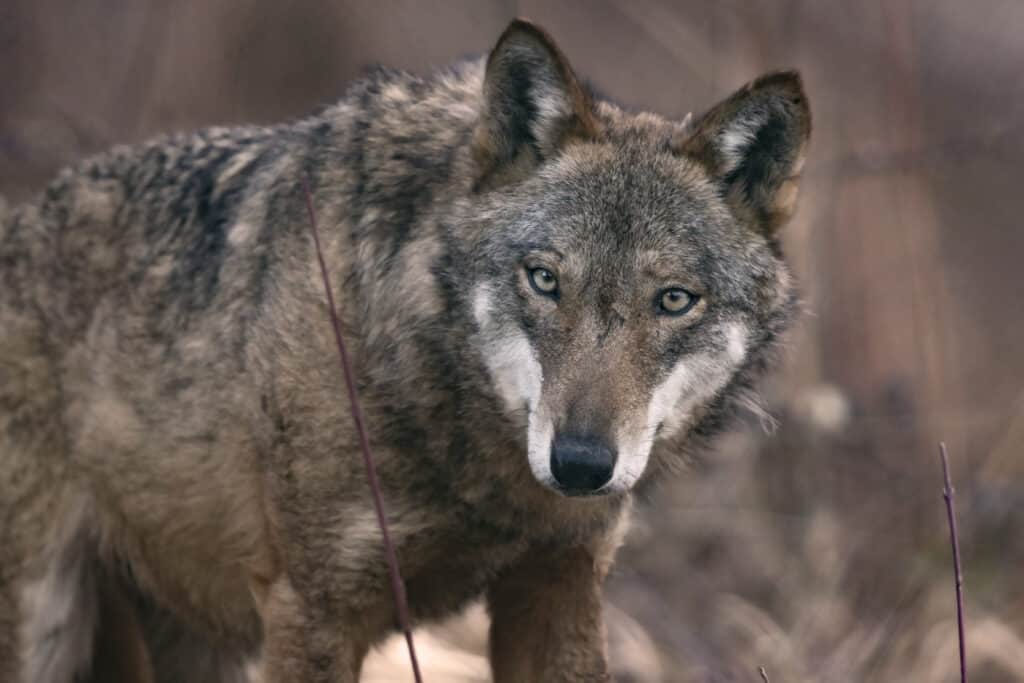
<point x="544" y="281"/>
<point x="676" y="301"/>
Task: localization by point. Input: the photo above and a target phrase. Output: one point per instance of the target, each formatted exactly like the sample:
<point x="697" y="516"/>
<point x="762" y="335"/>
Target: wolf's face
<point x="629" y="269"/>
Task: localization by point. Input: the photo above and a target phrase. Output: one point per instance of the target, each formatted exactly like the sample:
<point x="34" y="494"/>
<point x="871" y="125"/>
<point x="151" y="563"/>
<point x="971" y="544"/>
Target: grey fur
<point x="166" y="353"/>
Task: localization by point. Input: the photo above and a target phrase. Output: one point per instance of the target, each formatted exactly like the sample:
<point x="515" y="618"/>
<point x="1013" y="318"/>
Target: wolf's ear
<point x="754" y="144"/>
<point x="532" y="105"/>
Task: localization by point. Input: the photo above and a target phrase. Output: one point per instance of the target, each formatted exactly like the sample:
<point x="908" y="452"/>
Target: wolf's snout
<point x="581" y="464"/>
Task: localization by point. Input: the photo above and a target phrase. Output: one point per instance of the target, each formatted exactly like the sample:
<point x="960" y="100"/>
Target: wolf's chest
<point x="448" y="566"/>
<point x="447" y="587"/>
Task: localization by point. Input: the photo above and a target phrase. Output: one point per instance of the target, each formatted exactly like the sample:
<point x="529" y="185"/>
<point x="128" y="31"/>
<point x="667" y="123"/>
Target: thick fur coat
<point x="548" y="301"/>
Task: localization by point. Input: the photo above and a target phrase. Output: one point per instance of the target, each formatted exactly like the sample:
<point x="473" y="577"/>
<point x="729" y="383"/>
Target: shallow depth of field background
<point x="819" y="549"/>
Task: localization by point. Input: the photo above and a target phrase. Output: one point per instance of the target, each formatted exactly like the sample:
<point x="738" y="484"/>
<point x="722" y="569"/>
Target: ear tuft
<point x="532" y="105"/>
<point x="754" y="144"/>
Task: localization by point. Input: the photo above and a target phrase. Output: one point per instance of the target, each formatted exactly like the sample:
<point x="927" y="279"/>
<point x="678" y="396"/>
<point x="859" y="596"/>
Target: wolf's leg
<point x="48" y="591"/>
<point x="546" y="619"/>
<point x="48" y="558"/>
<point x="300" y="644"/>
<point x="120" y="652"/>
<point x="172" y="650"/>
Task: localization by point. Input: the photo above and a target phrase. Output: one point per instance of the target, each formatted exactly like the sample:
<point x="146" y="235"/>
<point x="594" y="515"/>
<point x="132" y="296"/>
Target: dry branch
<point x="948" y="493"/>
<point x="397" y="586"/>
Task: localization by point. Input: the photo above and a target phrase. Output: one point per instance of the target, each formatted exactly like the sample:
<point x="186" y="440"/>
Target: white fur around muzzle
<point x="519" y="379"/>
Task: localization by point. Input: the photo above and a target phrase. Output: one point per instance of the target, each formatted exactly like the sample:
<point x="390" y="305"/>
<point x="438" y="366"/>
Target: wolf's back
<point x="109" y="222"/>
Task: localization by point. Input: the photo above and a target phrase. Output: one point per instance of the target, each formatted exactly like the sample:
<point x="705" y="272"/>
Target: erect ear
<point x="753" y="143"/>
<point x="532" y="105"/>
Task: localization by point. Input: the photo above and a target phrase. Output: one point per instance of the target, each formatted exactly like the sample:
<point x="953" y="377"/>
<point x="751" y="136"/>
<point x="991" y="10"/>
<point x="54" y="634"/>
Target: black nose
<point x="581" y="463"/>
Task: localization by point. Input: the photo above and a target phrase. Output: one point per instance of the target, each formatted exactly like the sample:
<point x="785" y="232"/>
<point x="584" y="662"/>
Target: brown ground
<point x="818" y="551"/>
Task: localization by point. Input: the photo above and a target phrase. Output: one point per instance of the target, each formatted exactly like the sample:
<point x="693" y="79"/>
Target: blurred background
<point x="817" y="548"/>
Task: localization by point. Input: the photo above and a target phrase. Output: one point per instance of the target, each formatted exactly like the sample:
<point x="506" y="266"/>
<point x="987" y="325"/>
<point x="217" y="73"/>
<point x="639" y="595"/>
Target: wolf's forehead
<point x="648" y="209"/>
<point x="631" y="186"/>
<point x="613" y="223"/>
<point x="634" y="210"/>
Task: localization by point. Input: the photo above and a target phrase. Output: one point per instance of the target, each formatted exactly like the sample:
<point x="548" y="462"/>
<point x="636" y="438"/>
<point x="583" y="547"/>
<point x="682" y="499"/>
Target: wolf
<point x="549" y="301"/>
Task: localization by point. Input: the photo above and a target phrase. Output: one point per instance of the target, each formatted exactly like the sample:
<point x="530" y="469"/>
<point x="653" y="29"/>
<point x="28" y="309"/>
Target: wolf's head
<point x="626" y="272"/>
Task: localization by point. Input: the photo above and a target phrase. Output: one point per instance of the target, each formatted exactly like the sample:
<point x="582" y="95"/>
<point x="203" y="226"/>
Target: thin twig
<point x="764" y="674"/>
<point x="948" y="492"/>
<point x="397" y="586"/>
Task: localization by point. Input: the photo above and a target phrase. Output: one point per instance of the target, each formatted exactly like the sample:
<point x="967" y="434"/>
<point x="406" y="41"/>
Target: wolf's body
<point x="172" y="421"/>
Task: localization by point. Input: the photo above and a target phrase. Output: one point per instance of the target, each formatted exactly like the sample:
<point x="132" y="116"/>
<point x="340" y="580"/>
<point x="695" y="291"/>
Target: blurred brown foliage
<point x="818" y="549"/>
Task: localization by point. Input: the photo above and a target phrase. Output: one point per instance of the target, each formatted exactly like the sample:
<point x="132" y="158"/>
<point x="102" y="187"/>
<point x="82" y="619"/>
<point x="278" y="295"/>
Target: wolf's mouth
<point x="582" y="493"/>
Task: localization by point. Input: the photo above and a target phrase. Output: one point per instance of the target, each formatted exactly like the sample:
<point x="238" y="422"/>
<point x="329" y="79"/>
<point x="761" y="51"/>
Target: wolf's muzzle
<point x="581" y="464"/>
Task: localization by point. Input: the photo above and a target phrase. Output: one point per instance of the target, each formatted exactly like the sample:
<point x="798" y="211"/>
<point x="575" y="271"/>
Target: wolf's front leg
<point x="302" y="645"/>
<point x="546" y="619"/>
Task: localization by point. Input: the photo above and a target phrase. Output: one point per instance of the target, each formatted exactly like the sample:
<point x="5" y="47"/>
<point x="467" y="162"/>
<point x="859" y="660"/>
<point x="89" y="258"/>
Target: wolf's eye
<point x="676" y="301"/>
<point x="544" y="281"/>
